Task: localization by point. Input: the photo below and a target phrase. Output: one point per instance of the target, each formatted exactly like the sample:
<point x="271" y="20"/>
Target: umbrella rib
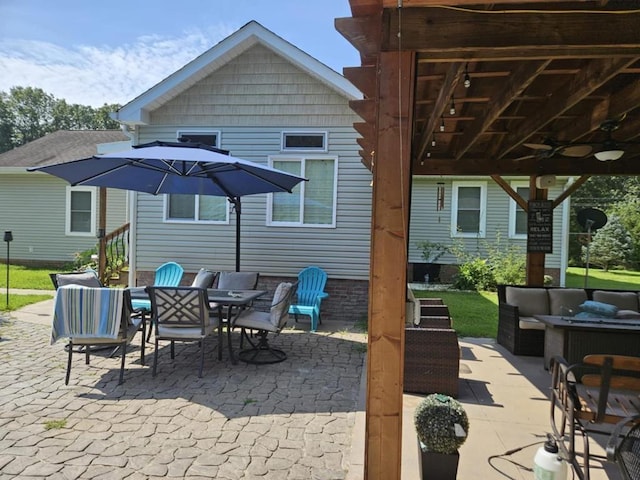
<point x="101" y="174"/>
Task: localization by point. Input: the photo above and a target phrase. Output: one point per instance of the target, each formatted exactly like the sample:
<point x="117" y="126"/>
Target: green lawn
<point x="614" y="279"/>
<point x="25" y="278"/>
<point x="475" y="314"/>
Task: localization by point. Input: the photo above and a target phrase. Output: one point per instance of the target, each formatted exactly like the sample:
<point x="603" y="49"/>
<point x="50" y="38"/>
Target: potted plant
<point x="431" y="252"/>
<point x="442" y="426"/>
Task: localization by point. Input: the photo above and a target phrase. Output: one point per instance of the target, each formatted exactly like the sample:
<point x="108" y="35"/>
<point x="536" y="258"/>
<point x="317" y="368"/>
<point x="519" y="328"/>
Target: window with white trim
<point x="208" y="137"/>
<point x="517" y="216"/>
<point x="197" y="208"/>
<point x="304" y="141"/>
<point x="468" y="209"/>
<point x="312" y="203"/>
<point x="81" y="211"/>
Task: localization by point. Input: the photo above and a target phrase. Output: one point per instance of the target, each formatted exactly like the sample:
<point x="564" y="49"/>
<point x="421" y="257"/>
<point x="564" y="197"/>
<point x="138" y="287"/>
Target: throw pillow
<point x="603" y="309"/>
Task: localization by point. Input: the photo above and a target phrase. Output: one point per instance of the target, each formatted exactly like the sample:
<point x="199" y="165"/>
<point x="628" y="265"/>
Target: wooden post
<point x="388" y="275"/>
<point x="535" y="261"/>
<point x="102" y="227"/>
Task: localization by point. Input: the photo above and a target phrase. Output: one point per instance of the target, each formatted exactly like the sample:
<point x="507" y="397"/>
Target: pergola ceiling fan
<point x="551" y="147"/>
<point x="605" y="150"/>
<point x="611" y="149"/>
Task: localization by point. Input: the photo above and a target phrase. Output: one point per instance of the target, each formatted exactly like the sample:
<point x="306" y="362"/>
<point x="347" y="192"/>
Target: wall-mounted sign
<point x="540" y="226"/>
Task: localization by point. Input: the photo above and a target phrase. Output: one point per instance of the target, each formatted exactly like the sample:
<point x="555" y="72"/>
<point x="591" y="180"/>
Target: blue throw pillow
<point x="603" y="309"/>
<point x="587" y="316"/>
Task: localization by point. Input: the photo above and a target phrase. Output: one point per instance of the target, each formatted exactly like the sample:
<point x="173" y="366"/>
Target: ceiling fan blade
<point x="576" y="150"/>
<point x="526" y="157"/>
<point x="538" y="146"/>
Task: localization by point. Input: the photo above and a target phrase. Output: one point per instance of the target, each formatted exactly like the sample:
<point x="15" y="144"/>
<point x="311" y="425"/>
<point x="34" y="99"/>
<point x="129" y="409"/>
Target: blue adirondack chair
<point x="309" y="295"/>
<point x="167" y="275"/>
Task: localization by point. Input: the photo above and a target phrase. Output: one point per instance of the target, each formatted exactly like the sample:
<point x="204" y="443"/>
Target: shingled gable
<point x="60" y="146"/>
<point x="137" y="111"/>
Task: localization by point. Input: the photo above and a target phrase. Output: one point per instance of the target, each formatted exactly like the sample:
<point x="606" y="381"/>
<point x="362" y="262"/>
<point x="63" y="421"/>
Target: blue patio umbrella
<point x="177" y="168"/>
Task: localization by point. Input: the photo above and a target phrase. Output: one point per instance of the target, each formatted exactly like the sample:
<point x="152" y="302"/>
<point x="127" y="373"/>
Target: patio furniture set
<point x="90" y="315"/>
<point x="520" y="332"/>
<point x="590" y="340"/>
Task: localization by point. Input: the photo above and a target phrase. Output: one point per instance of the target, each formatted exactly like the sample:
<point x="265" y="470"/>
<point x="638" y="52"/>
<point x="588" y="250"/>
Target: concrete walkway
<point x="300" y="419"/>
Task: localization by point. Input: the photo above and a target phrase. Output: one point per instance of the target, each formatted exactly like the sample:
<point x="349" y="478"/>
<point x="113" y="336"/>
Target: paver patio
<point x="300" y="419"/>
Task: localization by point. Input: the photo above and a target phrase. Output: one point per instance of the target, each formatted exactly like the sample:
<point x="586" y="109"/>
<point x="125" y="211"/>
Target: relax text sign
<point x="540" y="226"/>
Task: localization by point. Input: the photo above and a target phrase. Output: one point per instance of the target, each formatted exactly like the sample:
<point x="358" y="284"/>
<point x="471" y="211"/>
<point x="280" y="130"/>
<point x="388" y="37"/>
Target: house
<point x="264" y="100"/>
<point x="476" y="212"/>
<point x="50" y="220"/>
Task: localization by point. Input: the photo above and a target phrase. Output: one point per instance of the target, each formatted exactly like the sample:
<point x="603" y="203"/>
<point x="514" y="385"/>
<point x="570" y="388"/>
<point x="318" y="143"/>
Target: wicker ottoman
<point x="431" y="361"/>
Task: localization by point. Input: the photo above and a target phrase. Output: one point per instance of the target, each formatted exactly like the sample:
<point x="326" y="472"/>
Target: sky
<point x="97" y="52"/>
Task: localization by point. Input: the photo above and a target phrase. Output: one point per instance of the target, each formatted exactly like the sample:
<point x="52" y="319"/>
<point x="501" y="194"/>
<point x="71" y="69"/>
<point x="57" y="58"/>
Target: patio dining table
<point x="233" y="300"/>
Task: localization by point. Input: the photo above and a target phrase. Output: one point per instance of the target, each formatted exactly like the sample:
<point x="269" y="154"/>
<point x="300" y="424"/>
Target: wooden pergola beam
<point x="589" y="79"/>
<point x="482" y="34"/>
<point x="448" y="86"/>
<point x="556" y="165"/>
<point x="516" y="85"/>
<point x="388" y="273"/>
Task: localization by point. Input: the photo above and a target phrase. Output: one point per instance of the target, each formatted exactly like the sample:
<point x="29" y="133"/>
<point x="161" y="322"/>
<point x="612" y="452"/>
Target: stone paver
<point x="285" y="421"/>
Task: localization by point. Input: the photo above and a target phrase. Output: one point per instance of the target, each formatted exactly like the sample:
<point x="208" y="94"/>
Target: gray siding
<point x="34" y="210"/>
<point x="258" y="88"/>
<point x="429" y="224"/>
<point x="342" y="251"/>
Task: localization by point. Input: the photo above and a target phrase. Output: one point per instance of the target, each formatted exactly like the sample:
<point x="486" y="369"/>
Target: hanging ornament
<point x="440" y="196"/>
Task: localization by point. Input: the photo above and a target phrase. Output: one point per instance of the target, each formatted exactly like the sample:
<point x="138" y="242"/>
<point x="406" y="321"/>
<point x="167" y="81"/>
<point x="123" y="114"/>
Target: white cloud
<point x="95" y="75"/>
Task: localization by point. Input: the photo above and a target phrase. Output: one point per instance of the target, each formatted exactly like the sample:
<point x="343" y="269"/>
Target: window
<point x="312" y="203"/>
<point x="468" y="209"/>
<point x="517" y="216"/>
<point x="81" y="211"/>
<point x="197" y="208"/>
<point x="304" y="141"/>
<point x="207" y="137"/>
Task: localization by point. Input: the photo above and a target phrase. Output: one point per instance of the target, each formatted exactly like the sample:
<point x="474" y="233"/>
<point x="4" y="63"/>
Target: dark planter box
<point x="438" y="466"/>
<point x="422" y="269"/>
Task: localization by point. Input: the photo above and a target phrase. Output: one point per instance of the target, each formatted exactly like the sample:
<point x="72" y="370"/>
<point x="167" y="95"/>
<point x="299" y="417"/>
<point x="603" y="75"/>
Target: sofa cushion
<point x="530" y="301"/>
<point x="530" y="323"/>
<point x="562" y="301"/>
<point x="628" y="314"/>
<point x="599" y="308"/>
<point x="622" y="300"/>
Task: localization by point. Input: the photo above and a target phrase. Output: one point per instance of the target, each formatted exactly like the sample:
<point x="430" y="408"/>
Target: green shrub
<point x="441" y="423"/>
<point x="500" y="264"/>
<point x="474" y="274"/>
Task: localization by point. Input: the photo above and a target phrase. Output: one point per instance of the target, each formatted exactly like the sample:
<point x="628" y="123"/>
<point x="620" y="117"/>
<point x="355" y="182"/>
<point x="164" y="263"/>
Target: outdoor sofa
<point x="522" y="334"/>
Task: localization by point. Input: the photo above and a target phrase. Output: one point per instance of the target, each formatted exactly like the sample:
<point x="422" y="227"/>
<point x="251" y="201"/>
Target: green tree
<point x="32" y="111"/>
<point x="6" y="124"/>
<point x="628" y="211"/>
<point x="611" y="245"/>
<point x="28" y="113"/>
<point x="600" y="192"/>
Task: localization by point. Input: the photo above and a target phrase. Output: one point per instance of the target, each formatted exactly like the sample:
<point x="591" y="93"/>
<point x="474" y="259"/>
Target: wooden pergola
<point x="539" y="72"/>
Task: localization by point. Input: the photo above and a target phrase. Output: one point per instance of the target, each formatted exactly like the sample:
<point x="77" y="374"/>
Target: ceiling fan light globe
<point x="607" y="155"/>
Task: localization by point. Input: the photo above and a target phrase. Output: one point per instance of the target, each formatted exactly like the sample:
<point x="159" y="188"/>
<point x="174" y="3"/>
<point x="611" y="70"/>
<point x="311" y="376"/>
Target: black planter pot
<point x="420" y="270"/>
<point x="438" y="466"/>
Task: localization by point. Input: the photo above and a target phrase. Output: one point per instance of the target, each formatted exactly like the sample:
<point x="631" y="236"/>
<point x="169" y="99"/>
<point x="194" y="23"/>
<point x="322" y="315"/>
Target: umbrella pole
<point x="236" y="205"/>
